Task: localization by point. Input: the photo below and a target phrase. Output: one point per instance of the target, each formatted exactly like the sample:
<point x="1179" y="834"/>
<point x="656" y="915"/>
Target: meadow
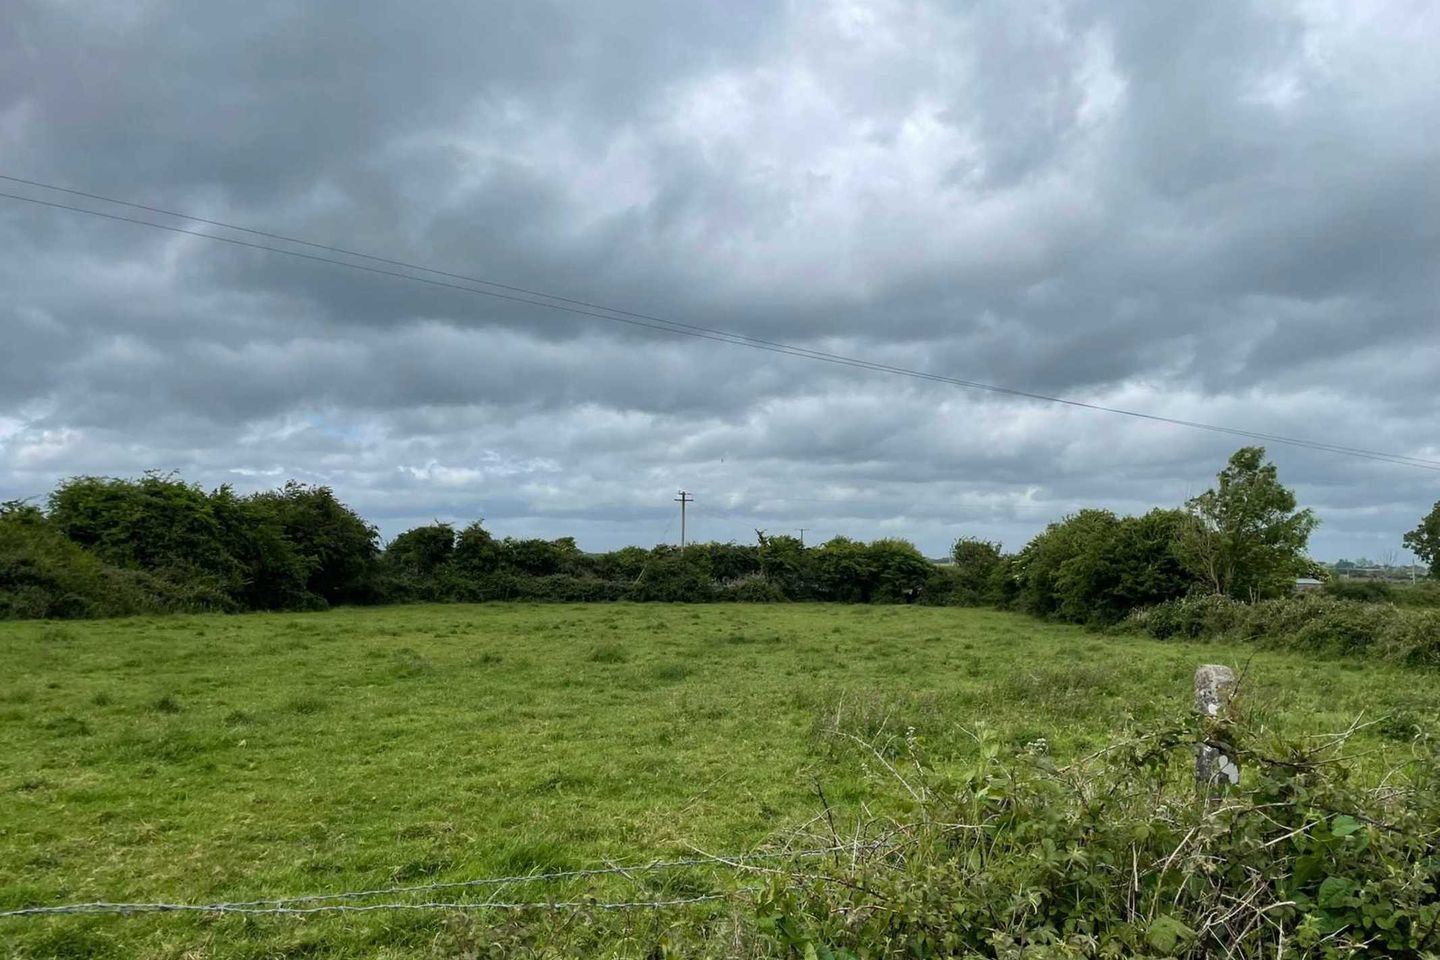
<point x="221" y="758"/>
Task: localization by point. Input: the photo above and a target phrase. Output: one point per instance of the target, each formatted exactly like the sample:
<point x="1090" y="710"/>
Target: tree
<point x="337" y="546"/>
<point x="1245" y="538"/>
<point x="844" y="571"/>
<point x="1065" y="568"/>
<point x="421" y="551"/>
<point x="900" y="570"/>
<point x="1424" y="540"/>
<point x="477" y="554"/>
<point x="157" y="523"/>
<point x="273" y="573"/>
<point x="977" y="567"/>
<point x="1148" y="570"/>
<point x="784" y="562"/>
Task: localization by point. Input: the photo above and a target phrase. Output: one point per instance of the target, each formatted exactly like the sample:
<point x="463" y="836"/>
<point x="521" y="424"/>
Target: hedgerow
<point x="1316" y="623"/>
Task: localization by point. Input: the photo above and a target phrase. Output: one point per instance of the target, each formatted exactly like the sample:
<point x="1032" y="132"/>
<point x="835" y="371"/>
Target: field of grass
<point x="207" y="758"/>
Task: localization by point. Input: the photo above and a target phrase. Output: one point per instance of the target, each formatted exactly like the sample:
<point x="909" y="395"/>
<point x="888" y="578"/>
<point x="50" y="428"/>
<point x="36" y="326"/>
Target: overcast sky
<point x="1218" y="211"/>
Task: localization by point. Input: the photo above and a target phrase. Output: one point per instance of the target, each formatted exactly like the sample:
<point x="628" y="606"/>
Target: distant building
<point x="1308" y="585"/>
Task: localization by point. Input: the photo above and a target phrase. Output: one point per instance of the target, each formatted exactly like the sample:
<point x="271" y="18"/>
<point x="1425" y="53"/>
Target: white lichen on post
<point x="1214" y="685"/>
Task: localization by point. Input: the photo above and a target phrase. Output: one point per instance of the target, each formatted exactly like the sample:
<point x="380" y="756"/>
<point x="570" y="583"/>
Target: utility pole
<point x="683" y="499"/>
<point x="802" y="535"/>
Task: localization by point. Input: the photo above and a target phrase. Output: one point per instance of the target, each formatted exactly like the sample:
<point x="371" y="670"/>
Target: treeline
<point x="1245" y="539"/>
<point x="104" y="547"/>
<point x="109" y="547"/>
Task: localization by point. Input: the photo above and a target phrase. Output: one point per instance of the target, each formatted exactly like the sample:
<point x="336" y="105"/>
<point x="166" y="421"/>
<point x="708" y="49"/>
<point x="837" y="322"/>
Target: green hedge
<point x="1317" y="623"/>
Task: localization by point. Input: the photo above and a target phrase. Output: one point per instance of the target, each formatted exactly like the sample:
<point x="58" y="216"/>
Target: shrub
<point x="753" y="588"/>
<point x="1368" y="591"/>
<point x="1198" y="615"/>
<point x="1319" y="623"/>
<point x="976" y="565"/>
<point x="44" y="575"/>
<point x="1118" y="856"/>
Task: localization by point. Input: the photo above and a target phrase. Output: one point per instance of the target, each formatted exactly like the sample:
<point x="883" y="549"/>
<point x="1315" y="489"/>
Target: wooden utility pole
<point x="683" y="499"/>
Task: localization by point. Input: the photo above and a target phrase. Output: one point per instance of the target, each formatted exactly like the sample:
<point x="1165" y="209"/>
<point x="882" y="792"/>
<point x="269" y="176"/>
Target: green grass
<point x="206" y="758"/>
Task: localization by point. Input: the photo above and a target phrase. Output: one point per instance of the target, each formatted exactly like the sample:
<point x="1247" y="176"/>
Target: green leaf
<point x="1166" y="934"/>
<point x="1334" y="891"/>
<point x="1344" y="825"/>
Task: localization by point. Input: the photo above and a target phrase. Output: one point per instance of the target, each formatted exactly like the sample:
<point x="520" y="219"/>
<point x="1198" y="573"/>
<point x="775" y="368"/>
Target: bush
<point x="1367" y="591"/>
<point x="1198" y="615"/>
<point x="1314" y="622"/>
<point x="44" y="575"/>
<point x="750" y="589"/>
<point x="1117" y="856"/>
<point x="1095" y="568"/>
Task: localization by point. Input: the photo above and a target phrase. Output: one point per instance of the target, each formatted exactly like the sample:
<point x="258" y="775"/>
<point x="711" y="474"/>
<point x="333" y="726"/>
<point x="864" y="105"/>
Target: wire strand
<point x="131" y="909"/>
<point x="287" y="904"/>
<point x="586" y="308"/>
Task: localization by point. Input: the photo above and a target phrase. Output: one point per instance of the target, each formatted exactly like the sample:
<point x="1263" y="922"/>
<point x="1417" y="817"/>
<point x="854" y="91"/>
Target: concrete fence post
<point x="1214" y="685"/>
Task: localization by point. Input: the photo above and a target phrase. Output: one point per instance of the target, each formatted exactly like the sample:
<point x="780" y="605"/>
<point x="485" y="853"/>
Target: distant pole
<point x="683" y="499"/>
<point x="802" y="536"/>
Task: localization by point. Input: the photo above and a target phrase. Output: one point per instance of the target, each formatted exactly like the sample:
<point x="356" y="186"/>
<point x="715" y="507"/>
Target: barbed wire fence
<point x="343" y="902"/>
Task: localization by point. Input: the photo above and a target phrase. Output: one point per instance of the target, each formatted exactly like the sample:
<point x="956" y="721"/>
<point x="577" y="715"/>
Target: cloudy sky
<point x="1215" y="211"/>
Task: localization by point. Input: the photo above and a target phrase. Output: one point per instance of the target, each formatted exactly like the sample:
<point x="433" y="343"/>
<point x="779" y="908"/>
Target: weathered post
<point x="1214" y="685"/>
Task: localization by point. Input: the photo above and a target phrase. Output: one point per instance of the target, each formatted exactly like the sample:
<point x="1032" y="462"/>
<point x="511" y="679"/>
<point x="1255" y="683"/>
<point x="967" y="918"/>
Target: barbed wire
<point x="286" y="905"/>
<point x="128" y="909"/>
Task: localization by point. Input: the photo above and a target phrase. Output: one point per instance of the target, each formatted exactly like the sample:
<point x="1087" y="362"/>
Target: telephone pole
<point x="683" y="499"/>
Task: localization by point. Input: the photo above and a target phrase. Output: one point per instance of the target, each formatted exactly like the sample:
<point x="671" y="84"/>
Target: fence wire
<point x="129" y="909"/>
<point x="288" y="905"/>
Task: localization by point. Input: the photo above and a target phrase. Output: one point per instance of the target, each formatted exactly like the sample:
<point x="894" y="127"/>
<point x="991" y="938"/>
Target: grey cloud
<point x="1224" y="212"/>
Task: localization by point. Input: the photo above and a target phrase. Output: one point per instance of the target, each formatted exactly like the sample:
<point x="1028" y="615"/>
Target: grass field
<point x="223" y="758"/>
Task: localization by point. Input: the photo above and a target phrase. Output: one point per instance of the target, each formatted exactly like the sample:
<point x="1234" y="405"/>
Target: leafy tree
<point x="674" y="574"/>
<point x="843" y="571"/>
<point x="1067" y="565"/>
<point x="1147" y="565"/>
<point x="732" y="561"/>
<point x="900" y="571"/>
<point x="784" y="563"/>
<point x="421" y="551"/>
<point x="156" y="523"/>
<point x="540" y="558"/>
<point x="338" y="547"/>
<point x="625" y="564"/>
<point x="977" y="566"/>
<point x="1245" y="538"/>
<point x="1424" y="540"/>
<point x="273" y="574"/>
<point x="477" y="554"/>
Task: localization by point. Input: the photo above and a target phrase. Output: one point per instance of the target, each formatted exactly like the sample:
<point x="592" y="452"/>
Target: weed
<point x="670" y="672"/>
<point x="167" y="703"/>
<point x="608" y="653"/>
<point x="304" y="705"/>
<point x="408" y="664"/>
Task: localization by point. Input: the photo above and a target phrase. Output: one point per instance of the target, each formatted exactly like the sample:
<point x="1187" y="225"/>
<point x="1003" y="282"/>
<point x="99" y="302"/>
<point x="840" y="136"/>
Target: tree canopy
<point x="1245" y="538"/>
<point x="1424" y="540"/>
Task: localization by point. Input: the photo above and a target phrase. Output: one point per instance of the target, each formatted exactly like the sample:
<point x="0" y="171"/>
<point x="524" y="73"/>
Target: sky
<point x="1223" y="212"/>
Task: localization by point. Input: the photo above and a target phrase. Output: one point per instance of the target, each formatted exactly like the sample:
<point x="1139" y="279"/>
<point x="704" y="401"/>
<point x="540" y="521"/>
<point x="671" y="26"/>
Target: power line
<point x="599" y="311"/>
